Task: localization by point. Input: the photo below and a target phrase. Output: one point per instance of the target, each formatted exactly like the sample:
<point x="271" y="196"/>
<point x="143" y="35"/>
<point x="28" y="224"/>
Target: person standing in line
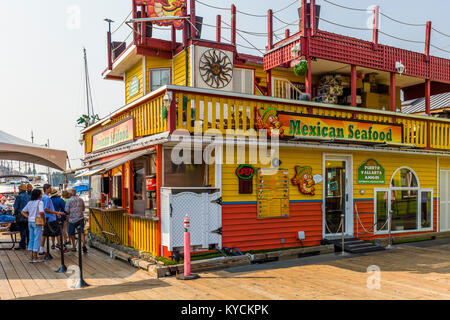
<point x="51" y="227"/>
<point x="59" y="205"/>
<point x="75" y="208"/>
<point x="29" y="189"/>
<point x="22" y="222"/>
<point x="34" y="207"/>
<point x="66" y="196"/>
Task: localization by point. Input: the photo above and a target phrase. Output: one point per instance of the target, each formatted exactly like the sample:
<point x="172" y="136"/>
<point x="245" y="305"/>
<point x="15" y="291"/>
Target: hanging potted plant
<point x="301" y="68"/>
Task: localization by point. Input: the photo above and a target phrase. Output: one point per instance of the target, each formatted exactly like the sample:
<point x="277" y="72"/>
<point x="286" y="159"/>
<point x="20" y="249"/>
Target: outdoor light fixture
<point x="167" y="98"/>
<point x="400" y="67"/>
<point x="295" y="50"/>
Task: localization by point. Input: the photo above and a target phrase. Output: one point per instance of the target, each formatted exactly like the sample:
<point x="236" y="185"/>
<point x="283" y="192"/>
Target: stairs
<point x="353" y="245"/>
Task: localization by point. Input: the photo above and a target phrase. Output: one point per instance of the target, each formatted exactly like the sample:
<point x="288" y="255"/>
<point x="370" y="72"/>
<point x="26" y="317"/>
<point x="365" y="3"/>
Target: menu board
<point x="273" y="193"/>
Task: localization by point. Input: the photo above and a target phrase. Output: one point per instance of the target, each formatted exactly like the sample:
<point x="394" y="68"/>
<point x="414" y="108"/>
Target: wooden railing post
<point x="353" y="86"/>
<point x="376" y="25"/>
<point x="233" y="24"/>
<point x="428" y="41"/>
<point x="304" y="14"/>
<point x="312" y="17"/>
<point x="108" y="36"/>
<point x="392" y="90"/>
<point x="172" y="114"/>
<point x="193" y="20"/>
<point x="269" y="29"/>
<point x="185" y="28"/>
<point x="135" y="34"/>
<point x="173" y="36"/>
<point x="219" y="28"/>
<point x="143" y="26"/>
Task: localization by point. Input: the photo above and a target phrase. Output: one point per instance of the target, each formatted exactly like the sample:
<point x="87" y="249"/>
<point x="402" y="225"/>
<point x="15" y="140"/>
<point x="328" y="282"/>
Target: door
<point x="445" y="201"/>
<point x="337" y="196"/>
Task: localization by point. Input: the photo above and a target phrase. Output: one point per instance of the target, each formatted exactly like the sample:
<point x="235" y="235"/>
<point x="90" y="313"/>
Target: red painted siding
<point x="241" y="229"/>
<point x="367" y="220"/>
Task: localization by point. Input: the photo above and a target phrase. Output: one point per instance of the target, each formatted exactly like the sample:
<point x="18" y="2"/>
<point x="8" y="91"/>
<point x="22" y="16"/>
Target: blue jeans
<point x="35" y="237"/>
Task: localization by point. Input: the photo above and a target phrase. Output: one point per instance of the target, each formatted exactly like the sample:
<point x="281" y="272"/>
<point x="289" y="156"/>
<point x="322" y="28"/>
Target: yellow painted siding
<point x="179" y="68"/>
<point x="143" y="232"/>
<point x="136" y="70"/>
<point x="290" y="158"/>
<point x="212" y="175"/>
<point x="424" y="166"/>
<point x="155" y="63"/>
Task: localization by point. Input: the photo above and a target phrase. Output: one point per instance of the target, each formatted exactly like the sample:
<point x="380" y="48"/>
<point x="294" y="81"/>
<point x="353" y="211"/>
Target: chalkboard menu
<point x="273" y="193"/>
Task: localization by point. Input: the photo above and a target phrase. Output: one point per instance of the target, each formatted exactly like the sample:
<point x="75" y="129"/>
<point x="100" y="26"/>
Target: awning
<point x="13" y="148"/>
<point x="100" y="169"/>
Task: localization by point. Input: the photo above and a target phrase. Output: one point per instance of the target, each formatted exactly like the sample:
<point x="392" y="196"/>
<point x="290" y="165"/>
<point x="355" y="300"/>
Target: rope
<point x="124" y="41"/>
<point x="214" y="7"/>
<point x="280" y="20"/>
<point x="437" y="48"/>
<point x="440" y="32"/>
<point x="413" y="41"/>
<point x="288" y="6"/>
<point x="252" y="15"/>
<point x="341" y="6"/>
<point x="344" y="26"/>
<point x="331" y="233"/>
<point x="295" y="22"/>
<point x="401" y="22"/>
<point x="123" y="22"/>
<point x="240" y="45"/>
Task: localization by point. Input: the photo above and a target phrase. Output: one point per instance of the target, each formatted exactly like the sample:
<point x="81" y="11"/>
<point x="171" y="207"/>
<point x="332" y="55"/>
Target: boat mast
<point x="89" y="103"/>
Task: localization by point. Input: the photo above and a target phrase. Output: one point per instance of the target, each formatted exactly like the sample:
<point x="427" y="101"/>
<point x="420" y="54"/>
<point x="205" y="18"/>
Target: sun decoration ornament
<point x="216" y="68"/>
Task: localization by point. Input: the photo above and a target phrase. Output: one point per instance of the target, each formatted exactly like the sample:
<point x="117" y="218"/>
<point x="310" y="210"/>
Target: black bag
<point x="20" y="218"/>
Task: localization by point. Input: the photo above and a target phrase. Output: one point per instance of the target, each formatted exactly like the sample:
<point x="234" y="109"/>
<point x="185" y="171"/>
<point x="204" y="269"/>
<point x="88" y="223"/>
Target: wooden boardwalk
<point x="407" y="272"/>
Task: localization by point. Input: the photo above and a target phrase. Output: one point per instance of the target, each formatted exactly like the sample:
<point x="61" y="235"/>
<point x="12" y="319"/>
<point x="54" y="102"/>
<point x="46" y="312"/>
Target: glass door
<point x="336" y="197"/>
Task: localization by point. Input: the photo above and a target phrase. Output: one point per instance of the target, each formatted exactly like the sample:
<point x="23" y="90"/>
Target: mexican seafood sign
<point x="297" y="126"/>
<point x="164" y="8"/>
<point x="120" y="133"/>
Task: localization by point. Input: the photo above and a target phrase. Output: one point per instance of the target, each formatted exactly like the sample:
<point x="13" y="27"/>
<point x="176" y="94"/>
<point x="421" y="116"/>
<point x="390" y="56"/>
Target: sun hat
<point x="54" y="192"/>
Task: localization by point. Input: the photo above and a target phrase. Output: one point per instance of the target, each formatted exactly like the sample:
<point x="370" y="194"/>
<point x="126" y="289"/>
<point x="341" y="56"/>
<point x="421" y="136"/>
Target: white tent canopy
<point x="13" y="148"/>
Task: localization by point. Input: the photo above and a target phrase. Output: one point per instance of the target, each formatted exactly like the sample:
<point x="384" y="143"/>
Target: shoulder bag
<point x="40" y="219"/>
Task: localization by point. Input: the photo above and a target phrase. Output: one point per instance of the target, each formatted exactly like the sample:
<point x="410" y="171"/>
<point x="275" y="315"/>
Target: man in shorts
<point x="51" y="227"/>
<point x="75" y="209"/>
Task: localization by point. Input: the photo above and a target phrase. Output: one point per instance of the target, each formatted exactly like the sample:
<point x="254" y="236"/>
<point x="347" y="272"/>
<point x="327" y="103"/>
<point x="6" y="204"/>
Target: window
<point x="159" y="78"/>
<point x="410" y="206"/>
<point x="243" y="80"/>
<point x="184" y="174"/>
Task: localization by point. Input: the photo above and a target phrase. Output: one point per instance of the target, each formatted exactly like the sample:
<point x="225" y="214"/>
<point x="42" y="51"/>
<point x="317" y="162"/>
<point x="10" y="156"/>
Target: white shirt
<point x="31" y="209"/>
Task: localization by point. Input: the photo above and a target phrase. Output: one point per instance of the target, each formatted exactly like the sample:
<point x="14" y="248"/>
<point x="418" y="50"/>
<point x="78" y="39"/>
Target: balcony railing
<point x="226" y="110"/>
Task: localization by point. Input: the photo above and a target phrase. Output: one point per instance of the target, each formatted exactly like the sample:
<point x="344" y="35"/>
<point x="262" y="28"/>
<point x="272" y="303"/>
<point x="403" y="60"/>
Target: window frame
<point x="419" y="191"/>
<point x="150" y="70"/>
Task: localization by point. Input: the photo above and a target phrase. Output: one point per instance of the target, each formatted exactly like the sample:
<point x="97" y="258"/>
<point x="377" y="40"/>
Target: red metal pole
<point x="172" y="125"/>
<point x="353" y="86"/>
<point x="428" y="97"/>
<point x="269" y="29"/>
<point x="134" y="24"/>
<point x="233" y="24"/>
<point x="308" y="80"/>
<point x="185" y="26"/>
<point x="303" y="17"/>
<point x="428" y="40"/>
<point x="219" y="28"/>
<point x="109" y="51"/>
<point x="193" y="31"/>
<point x="312" y="17"/>
<point x="287" y="33"/>
<point x="376" y="23"/>
<point x="143" y="25"/>
<point x="269" y="82"/>
<point x="159" y="176"/>
<point x="173" y="36"/>
<point x="392" y="90"/>
<point x="187" y="247"/>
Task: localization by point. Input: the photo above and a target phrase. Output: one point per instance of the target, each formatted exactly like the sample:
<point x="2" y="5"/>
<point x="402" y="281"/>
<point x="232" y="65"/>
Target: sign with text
<point x="299" y="125"/>
<point x="134" y="87"/>
<point x="371" y="172"/>
<point x="118" y="134"/>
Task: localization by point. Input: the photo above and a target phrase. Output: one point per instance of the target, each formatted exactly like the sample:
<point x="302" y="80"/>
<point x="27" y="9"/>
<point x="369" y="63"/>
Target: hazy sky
<point x="41" y="53"/>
